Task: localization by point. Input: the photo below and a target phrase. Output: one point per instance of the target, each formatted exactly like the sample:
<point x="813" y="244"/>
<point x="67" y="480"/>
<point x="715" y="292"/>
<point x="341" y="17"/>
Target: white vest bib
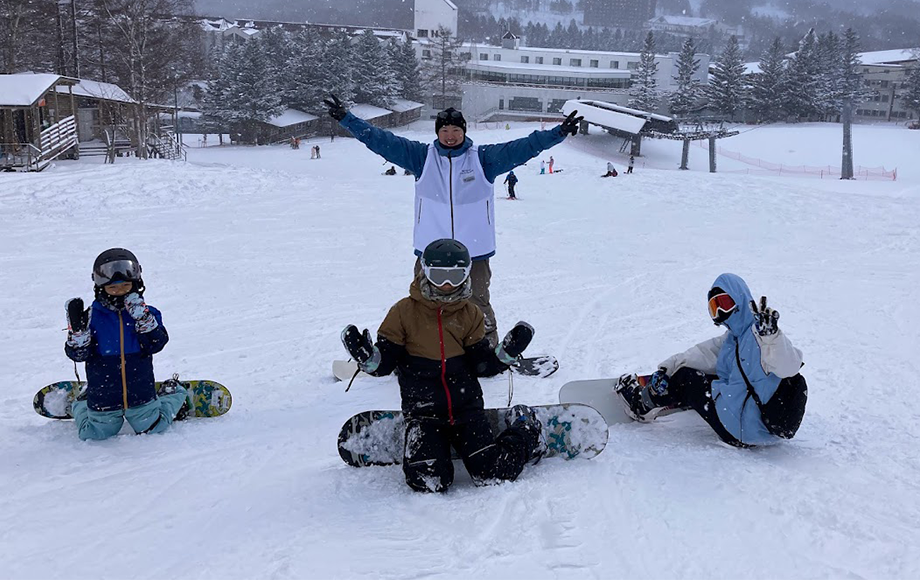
<point x="453" y="199"/>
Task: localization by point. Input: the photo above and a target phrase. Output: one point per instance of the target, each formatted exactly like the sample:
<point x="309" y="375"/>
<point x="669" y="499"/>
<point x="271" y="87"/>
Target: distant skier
<point x="455" y="184"/>
<point x="317" y="153"/>
<point x="542" y="167"/>
<point x="313" y="152"/>
<point x="117" y="337"/>
<point x="511" y="180"/>
<point x="435" y="341"/>
<point x="611" y="170"/>
<point x="551" y="162"/>
<point x="745" y="383"/>
<point x="632" y="161"/>
<point x="390" y="171"/>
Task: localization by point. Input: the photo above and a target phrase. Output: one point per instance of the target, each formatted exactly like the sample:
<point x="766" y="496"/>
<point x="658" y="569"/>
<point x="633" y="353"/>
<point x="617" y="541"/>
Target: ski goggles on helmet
<point x="117" y="272"/>
<point x="454" y="275"/>
<point x="451" y="116"/>
<point x="721" y="306"/>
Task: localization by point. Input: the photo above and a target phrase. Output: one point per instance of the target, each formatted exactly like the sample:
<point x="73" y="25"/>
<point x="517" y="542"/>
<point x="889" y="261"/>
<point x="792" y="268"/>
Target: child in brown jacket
<point x="435" y="340"/>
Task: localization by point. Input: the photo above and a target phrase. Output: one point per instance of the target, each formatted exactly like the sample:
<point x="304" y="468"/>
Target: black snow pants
<point x="488" y="459"/>
<point x="511" y="190"/>
<point x="692" y="388"/>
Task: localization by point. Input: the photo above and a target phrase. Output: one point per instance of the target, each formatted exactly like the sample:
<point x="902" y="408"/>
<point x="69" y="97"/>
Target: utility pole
<point x="846" y="165"/>
<point x="60" y="41"/>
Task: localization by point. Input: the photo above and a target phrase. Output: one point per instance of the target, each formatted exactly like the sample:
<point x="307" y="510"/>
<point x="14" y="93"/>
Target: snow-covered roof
<point x="23" y="89"/>
<point x="574" y="52"/>
<point x="99" y="90"/>
<point x="403" y="105"/>
<point x="365" y="111"/>
<point x="546" y="69"/>
<point x="751" y="68"/>
<point x="604" y="117"/>
<point x="290" y="117"/>
<point x="895" y="56"/>
<point x="683" y="21"/>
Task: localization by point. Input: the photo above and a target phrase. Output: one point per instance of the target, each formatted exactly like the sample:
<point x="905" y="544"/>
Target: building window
<point x="884" y="84"/>
<point x="531" y="104"/>
<point x="497" y="57"/>
<point x="593" y="64"/>
<point x="557" y="61"/>
<point x="632" y="65"/>
<point x="614" y="64"/>
<point x="525" y="59"/>
<point x="483" y="56"/>
<point x="426" y="54"/>
<point x="538" y="60"/>
<point x="501" y="104"/>
<point x="466" y="56"/>
<point x="421" y="33"/>
<point x="884" y="98"/>
<point x="574" y="62"/>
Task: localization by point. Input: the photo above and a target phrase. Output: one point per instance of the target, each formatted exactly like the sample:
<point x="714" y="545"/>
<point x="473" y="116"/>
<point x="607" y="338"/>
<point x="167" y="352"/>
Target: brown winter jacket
<point x="438" y="351"/>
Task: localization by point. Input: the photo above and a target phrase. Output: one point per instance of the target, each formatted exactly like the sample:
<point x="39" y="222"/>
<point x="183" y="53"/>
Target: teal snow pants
<point x="153" y="417"/>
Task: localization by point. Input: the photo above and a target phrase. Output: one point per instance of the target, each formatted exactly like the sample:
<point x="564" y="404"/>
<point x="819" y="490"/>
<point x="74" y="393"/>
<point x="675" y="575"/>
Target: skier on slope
<point x="454" y="184"/>
<point x="745" y="383"/>
<point x="435" y="340"/>
<point x="117" y="337"/>
<point x="511" y="179"/>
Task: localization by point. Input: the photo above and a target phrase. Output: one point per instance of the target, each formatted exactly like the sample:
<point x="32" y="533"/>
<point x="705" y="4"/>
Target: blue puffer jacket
<point x="736" y="408"/>
<point x="113" y="337"/>
<point x="496" y="159"/>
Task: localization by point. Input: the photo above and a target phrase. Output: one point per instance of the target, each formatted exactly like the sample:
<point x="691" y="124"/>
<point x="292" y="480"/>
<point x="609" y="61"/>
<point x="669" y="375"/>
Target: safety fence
<point x="761" y="167"/>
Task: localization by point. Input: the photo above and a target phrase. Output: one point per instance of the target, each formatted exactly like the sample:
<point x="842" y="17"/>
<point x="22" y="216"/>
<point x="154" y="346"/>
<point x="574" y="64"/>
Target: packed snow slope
<point x="258" y="257"/>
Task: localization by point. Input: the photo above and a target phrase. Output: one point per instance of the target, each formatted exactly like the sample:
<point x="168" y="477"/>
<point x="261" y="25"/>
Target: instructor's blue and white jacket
<point x="766" y="360"/>
<point x="454" y="188"/>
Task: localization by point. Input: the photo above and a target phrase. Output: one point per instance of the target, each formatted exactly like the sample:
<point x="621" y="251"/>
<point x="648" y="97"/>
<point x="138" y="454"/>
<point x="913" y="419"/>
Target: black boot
<point x="523" y="417"/>
<point x="636" y="399"/>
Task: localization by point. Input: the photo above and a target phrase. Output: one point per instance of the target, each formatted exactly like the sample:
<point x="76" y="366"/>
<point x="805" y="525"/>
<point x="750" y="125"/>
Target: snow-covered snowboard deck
<point x="599" y="394"/>
<point x="208" y="398"/>
<point x="378" y="437"/>
<point x="538" y="366"/>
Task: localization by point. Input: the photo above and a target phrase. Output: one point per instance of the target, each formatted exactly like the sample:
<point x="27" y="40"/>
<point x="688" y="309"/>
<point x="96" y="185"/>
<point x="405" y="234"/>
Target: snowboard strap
<point x="75" y="371"/>
<point x="510" y="386"/>
<point x="352" y="379"/>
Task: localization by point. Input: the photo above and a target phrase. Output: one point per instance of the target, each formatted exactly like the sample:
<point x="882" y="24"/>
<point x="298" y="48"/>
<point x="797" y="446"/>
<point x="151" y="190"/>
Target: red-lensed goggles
<point x="721" y="307"/>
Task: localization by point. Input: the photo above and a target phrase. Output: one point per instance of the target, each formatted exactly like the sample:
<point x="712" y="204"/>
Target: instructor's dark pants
<point x="481" y="277"/>
<point x="427" y="462"/>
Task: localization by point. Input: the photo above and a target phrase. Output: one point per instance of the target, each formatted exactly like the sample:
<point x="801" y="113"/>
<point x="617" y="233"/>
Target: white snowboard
<point x="343" y="370"/>
<point x="598" y="393"/>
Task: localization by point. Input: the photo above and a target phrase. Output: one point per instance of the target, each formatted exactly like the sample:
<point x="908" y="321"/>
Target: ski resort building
<point x="514" y="81"/>
<point x="885" y="74"/>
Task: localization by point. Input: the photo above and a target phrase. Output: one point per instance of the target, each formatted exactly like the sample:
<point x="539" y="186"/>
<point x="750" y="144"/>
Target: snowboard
<point x="538" y="366"/>
<point x="599" y="394"/>
<point x="208" y="398"/>
<point x="378" y="437"/>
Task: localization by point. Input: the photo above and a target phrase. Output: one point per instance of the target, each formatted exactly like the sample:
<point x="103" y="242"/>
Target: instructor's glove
<point x="764" y="318"/>
<point x="78" y="335"/>
<point x="570" y="125"/>
<point x="658" y="382"/>
<point x="361" y="348"/>
<point x="336" y="109"/>
<point x="514" y="343"/>
<point x="137" y="309"/>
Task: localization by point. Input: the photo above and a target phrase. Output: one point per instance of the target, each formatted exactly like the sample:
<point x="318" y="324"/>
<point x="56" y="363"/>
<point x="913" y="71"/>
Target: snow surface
<point x="259" y="256"/>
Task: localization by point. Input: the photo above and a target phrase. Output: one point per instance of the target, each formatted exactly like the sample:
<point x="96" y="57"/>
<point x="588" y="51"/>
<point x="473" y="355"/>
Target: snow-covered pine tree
<point x="911" y="96"/>
<point x="216" y="98"/>
<point x="442" y="71"/>
<point x="303" y="87"/>
<point x="374" y="80"/>
<point x="683" y="100"/>
<point x="406" y="68"/>
<point x="828" y="96"/>
<point x="277" y="48"/>
<point x="334" y="68"/>
<point x="726" y="89"/>
<point x="644" y="89"/>
<point x="801" y="88"/>
<point x="766" y="87"/>
<point x="251" y="94"/>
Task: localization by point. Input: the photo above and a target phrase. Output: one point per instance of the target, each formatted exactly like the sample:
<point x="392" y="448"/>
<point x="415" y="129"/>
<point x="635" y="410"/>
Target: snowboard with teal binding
<point x="206" y="398"/>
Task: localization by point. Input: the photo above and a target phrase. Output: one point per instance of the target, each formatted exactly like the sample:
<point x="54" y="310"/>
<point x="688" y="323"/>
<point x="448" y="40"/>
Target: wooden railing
<point x="57" y="139"/>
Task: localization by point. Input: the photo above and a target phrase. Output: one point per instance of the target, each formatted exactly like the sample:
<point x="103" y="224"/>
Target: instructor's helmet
<point x="115" y="266"/>
<point x="446" y="261"/>
<point x="450" y="116"/>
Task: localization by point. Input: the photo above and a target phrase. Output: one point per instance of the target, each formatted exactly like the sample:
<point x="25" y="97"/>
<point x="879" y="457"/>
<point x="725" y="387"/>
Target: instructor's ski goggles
<point x="451" y="116"/>
<point x="118" y="271"/>
<point x="455" y="276"/>
<point x="721" y="307"/>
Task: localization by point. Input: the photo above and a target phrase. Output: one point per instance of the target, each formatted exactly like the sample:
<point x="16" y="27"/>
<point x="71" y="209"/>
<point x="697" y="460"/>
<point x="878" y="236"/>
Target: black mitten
<point x="77" y="315"/>
<point x="514" y="343"/>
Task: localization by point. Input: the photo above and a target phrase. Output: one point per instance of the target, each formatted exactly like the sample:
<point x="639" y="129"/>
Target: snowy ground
<point x="259" y="256"/>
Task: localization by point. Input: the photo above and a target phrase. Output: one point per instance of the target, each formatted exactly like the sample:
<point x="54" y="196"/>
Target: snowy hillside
<point x="258" y="257"/>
